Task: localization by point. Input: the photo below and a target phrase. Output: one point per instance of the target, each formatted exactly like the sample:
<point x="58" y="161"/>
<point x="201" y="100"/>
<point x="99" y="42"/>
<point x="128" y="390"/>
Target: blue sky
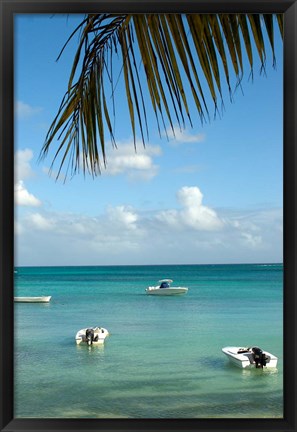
<point x="214" y="194"/>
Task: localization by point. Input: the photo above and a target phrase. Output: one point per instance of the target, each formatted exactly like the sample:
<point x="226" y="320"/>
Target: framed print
<point x="148" y="222"/>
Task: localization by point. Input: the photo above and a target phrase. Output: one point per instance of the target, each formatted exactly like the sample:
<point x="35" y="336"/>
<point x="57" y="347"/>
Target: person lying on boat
<point x="164" y="285"/>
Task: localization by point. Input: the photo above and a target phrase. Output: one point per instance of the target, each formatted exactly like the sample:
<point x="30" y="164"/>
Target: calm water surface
<point x="163" y="357"/>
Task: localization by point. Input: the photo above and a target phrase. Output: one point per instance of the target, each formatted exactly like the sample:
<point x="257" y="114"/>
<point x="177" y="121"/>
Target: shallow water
<point x="163" y="357"/>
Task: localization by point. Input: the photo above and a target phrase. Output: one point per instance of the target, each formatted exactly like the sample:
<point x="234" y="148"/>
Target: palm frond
<point x="185" y="59"/>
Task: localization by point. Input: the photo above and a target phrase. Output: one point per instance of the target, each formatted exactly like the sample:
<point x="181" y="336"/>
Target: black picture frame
<point x="7" y="10"/>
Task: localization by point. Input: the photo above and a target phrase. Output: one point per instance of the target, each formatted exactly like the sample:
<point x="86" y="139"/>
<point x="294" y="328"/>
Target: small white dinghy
<point x="91" y="336"/>
<point x="252" y="357"/>
<point x="43" y="299"/>
<point x="165" y="289"/>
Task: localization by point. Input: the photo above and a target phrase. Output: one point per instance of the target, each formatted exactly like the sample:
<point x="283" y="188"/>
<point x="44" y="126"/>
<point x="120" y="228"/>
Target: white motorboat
<point x="250" y="357"/>
<point x="43" y="299"/>
<point x="91" y="336"/>
<point x="165" y="289"/>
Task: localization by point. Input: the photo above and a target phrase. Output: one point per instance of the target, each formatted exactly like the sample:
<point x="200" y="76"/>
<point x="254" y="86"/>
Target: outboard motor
<point x="259" y="357"/>
<point x="89" y="336"/>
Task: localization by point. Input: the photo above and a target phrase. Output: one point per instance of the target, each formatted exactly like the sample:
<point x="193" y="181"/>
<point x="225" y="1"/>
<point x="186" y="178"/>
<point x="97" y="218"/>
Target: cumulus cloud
<point x="23" y="110"/>
<point x="122" y="215"/>
<point x="256" y="230"/>
<point x="23" y="170"/>
<point x="180" y="136"/>
<point x="136" y="164"/>
<point x="105" y="238"/>
<point x="122" y="234"/>
<point x="124" y="160"/>
<point x="41" y="222"/>
<point x="193" y="213"/>
<point x="18" y="228"/>
<point x="251" y="240"/>
<point x="22" y="163"/>
<point x="23" y="197"/>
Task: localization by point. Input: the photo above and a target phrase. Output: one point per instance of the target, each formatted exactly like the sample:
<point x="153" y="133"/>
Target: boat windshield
<point x="164" y="285"/>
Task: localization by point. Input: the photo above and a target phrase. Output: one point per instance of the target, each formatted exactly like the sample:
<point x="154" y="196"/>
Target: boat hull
<point x="245" y="360"/>
<point x="166" y="291"/>
<point x="44" y="299"/>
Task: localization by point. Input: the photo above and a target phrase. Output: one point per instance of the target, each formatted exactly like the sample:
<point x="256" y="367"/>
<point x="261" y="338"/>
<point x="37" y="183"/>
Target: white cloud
<point x="193" y="213"/>
<point x="123" y="160"/>
<point x="180" y="136"/>
<point x="251" y="240"/>
<point x="23" y="110"/>
<point x="18" y="228"/>
<point x="23" y="170"/>
<point x="22" y="164"/>
<point x="40" y="222"/>
<point x="55" y="175"/>
<point x="136" y="164"/>
<point x="257" y="230"/>
<point x="104" y="239"/>
<point x="194" y="233"/>
<point x="122" y="215"/>
<point x="23" y="197"/>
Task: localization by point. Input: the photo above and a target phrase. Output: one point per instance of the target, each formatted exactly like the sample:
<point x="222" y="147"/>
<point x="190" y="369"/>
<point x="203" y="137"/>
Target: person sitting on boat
<point x="164" y="285"/>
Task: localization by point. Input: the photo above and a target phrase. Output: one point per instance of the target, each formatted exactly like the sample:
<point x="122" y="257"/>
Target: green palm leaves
<point x="172" y="61"/>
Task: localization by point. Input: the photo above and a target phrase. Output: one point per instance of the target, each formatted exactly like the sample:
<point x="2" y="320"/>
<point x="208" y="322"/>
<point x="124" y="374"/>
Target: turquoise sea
<point x="163" y="357"/>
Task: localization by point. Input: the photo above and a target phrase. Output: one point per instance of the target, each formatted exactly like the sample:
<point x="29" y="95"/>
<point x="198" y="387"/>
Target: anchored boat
<point x="164" y="288"/>
<point x="250" y="357"/>
<point x="91" y="336"/>
<point x="43" y="299"/>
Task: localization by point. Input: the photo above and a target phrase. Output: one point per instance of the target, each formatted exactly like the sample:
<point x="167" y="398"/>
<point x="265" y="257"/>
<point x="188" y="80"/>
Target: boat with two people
<point x="164" y="288"/>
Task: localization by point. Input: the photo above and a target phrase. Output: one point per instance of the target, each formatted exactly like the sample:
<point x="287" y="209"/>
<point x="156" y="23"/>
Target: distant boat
<point x="44" y="299"/>
<point x="250" y="357"/>
<point x="165" y="289"/>
<point x="91" y="336"/>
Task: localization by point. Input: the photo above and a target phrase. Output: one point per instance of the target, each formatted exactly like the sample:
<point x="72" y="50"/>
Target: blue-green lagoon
<point x="163" y="357"/>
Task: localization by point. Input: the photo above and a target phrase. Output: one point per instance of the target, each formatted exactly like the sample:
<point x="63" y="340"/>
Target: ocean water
<point x="163" y="357"/>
